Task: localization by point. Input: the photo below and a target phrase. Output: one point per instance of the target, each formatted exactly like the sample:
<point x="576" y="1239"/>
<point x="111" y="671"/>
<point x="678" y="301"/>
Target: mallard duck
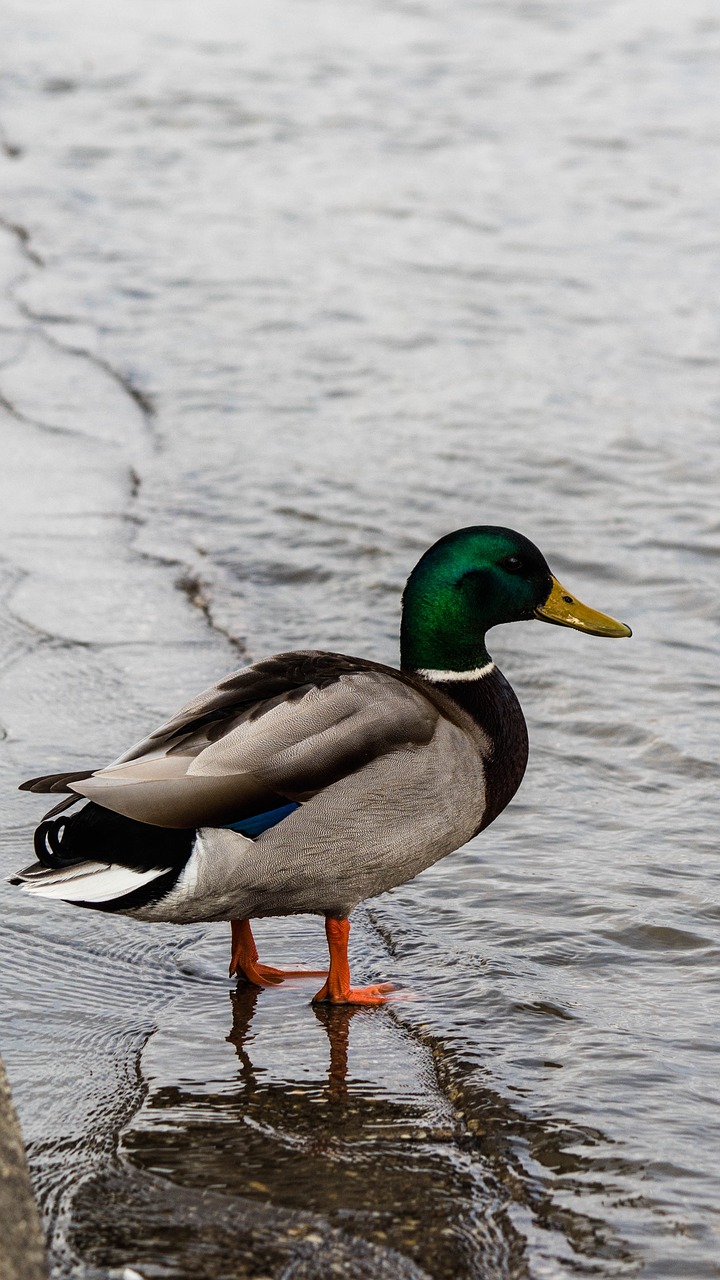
<point x="311" y="781"/>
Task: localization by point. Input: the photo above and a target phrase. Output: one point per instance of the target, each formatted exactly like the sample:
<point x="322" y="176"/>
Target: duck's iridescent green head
<point x="474" y="579"/>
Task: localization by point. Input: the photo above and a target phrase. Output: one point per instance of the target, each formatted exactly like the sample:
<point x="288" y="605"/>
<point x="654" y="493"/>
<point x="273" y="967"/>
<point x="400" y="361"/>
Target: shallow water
<point x="286" y="292"/>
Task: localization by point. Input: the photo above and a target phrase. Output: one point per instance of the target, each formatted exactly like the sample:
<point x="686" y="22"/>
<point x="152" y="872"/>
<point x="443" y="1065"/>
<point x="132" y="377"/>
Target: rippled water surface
<point x="287" y="290"/>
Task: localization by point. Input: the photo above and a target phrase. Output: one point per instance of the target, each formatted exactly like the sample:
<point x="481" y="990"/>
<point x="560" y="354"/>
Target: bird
<point x="311" y="781"/>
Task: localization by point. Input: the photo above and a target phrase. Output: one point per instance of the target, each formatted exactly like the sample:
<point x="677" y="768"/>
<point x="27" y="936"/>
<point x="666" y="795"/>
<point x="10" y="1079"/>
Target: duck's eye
<point x="513" y="564"/>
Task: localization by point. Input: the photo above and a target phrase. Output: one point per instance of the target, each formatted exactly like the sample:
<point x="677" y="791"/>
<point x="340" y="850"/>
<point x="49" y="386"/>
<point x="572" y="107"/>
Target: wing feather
<point x="279" y="731"/>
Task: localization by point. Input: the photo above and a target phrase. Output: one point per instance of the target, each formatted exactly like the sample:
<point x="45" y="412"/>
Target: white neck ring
<point x="444" y="677"/>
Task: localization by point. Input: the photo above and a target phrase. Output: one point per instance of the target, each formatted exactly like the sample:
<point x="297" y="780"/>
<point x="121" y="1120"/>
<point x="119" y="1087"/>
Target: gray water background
<point x="288" y="290"/>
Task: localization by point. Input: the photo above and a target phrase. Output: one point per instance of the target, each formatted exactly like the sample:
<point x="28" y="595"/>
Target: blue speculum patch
<point x="260" y="822"/>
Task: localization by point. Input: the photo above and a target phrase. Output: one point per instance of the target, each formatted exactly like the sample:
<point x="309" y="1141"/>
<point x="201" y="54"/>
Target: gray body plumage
<point x="366" y="833"/>
<point x="388" y="772"/>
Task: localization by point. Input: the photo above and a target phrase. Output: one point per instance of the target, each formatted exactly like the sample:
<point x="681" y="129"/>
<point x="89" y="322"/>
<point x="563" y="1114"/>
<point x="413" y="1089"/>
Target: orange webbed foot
<point x="373" y="995"/>
<point x="337" y="989"/>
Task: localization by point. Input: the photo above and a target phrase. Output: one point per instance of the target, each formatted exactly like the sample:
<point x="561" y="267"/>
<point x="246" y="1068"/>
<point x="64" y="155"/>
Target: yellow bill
<point x="565" y="610"/>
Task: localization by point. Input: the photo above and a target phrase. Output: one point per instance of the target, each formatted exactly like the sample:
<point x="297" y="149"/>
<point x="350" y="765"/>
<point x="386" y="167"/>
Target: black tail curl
<point x="98" y="835"/>
<point x="50" y="850"/>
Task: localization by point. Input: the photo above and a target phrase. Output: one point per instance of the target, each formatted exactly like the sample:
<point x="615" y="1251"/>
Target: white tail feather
<point x="89" y="882"/>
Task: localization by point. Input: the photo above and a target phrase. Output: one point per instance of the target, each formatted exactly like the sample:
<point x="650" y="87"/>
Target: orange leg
<point x="244" y="960"/>
<point x="337" y="989"/>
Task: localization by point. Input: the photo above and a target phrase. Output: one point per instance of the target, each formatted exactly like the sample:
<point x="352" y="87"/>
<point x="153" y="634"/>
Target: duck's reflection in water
<point x="335" y="1019"/>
